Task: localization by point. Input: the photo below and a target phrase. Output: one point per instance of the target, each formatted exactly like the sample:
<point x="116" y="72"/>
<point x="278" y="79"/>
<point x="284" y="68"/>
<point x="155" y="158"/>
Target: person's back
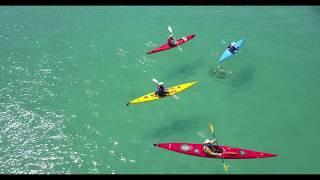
<point x="211" y="148"/>
<point x="171" y="41"/>
<point x="161" y="91"/>
<point x="232" y="47"/>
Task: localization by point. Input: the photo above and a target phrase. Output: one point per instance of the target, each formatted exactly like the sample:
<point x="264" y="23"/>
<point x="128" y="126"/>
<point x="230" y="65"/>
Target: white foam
<point x="201" y="134"/>
<point x="122" y="158"/>
<point x="150" y="44"/>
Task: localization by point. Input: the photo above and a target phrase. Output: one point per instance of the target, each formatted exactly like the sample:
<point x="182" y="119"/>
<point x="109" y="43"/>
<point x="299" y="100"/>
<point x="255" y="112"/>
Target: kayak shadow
<point x="243" y="78"/>
<point x="176" y="128"/>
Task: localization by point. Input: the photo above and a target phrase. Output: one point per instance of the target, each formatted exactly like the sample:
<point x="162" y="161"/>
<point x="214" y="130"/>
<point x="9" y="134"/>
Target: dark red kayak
<point x="167" y="47"/>
<point x="228" y="152"/>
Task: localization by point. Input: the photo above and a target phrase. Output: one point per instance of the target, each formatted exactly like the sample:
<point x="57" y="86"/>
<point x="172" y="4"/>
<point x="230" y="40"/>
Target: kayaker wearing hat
<point x="232" y="47"/>
<point x="161" y="91"/>
<point x="211" y="148"/>
<point x="171" y="41"/>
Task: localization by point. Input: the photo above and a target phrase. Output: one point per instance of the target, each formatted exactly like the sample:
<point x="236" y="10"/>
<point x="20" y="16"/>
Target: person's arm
<point x="166" y="90"/>
<point x="206" y="150"/>
<point x="216" y="154"/>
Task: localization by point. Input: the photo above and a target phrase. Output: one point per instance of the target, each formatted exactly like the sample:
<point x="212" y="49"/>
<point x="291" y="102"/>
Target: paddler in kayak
<point x="211" y="148"/>
<point x="161" y="91"/>
<point x="232" y="47"/>
<point x="171" y="41"/>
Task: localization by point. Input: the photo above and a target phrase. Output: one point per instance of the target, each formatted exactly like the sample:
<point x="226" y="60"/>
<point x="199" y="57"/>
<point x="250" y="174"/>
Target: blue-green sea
<point x="67" y="73"/>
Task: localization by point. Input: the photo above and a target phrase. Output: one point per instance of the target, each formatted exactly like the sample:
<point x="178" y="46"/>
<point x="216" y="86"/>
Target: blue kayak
<point x="227" y="52"/>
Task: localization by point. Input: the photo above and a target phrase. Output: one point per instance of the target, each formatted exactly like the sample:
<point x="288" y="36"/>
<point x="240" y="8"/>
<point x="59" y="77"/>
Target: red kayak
<point x="228" y="152"/>
<point x="167" y="47"/>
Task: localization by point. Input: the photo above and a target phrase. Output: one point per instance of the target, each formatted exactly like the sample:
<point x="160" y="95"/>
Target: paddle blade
<point x="170" y="29"/>
<point x="211" y="127"/>
<point x="175" y="97"/>
<point x="223" y="42"/>
<point x="225" y="167"/>
<point x="156" y="81"/>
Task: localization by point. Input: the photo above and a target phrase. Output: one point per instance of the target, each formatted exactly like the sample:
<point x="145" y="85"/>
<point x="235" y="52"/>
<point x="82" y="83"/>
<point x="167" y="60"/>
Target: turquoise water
<point x="68" y="72"/>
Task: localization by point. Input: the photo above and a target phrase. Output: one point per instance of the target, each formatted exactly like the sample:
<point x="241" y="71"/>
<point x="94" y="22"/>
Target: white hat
<point x="209" y="141"/>
<point x="160" y="83"/>
<point x="233" y="43"/>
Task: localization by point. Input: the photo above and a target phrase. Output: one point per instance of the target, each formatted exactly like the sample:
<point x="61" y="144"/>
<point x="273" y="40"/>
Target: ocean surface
<point x="67" y="73"/>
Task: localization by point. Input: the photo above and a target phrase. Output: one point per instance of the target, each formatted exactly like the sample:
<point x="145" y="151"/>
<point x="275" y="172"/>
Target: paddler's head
<point x="160" y="83"/>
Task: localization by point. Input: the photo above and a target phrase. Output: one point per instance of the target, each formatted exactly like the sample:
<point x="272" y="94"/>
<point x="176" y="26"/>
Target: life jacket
<point x="170" y="41"/>
<point x="161" y="91"/>
<point x="160" y="88"/>
<point x="232" y="49"/>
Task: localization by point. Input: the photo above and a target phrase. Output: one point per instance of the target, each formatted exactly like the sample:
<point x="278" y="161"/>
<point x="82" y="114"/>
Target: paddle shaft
<point x="217" y="145"/>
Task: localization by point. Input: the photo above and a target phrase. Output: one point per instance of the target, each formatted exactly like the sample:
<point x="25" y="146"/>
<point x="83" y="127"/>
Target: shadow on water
<point x="243" y="78"/>
<point x="219" y="73"/>
<point x="185" y="70"/>
<point x="316" y="13"/>
<point x="212" y="72"/>
<point x="238" y="80"/>
<point x="179" y="126"/>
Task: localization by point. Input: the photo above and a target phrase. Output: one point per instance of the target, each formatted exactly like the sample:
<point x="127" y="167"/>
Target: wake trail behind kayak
<point x="150" y="44"/>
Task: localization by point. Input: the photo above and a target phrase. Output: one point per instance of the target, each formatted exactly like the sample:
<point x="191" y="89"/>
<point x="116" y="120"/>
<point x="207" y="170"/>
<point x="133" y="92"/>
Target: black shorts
<point x="161" y="94"/>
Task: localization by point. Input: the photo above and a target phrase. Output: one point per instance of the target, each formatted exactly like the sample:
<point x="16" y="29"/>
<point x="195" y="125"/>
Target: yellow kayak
<point x="152" y="96"/>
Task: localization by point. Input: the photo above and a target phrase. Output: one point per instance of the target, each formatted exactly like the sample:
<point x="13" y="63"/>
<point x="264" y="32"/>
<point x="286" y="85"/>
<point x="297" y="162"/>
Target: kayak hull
<point x="167" y="47"/>
<point x="226" y="54"/>
<point x="172" y="90"/>
<point x="228" y="152"/>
